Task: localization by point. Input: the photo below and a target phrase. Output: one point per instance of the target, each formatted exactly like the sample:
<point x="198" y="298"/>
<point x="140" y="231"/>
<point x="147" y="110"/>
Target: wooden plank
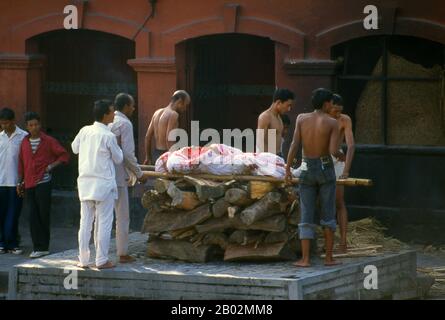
<point x="182" y="250"/>
<point x="275" y="223"/>
<point x="263" y="252"/>
<point x="157" y="222"/>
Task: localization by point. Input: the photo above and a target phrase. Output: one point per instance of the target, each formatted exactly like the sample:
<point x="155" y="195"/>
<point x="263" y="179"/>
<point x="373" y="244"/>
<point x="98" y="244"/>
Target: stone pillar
<point x="156" y="83"/>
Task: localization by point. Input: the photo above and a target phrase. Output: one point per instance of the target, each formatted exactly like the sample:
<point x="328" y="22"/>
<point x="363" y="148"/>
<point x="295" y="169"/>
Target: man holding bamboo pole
<point x="342" y="168"/>
<point x="318" y="134"/>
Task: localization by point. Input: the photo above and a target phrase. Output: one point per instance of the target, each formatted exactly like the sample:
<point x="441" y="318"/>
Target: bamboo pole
<point x="350" y="182"/>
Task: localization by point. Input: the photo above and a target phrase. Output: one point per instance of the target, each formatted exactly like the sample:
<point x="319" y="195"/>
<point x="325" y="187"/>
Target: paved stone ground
<point x="65" y="238"/>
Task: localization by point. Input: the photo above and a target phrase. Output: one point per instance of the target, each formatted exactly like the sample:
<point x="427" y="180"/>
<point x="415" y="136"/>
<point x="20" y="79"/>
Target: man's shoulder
<point x="345" y="119"/>
<point x="265" y="115"/>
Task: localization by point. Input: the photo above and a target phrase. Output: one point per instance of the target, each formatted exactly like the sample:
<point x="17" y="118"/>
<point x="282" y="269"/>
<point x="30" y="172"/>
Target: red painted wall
<point x="302" y="30"/>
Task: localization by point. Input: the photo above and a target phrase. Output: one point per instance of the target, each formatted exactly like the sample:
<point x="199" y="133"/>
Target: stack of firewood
<point x="197" y="220"/>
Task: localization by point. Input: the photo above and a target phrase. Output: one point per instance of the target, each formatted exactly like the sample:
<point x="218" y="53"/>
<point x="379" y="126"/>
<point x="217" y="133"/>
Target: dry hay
<point x="365" y="236"/>
<point x="414" y="107"/>
<point x="438" y="273"/>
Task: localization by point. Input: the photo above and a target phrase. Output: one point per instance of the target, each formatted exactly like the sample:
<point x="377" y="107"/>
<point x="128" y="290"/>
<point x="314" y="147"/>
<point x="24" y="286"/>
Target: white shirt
<point x="9" y="156"/>
<point x="98" y="152"/>
<point x="128" y="171"/>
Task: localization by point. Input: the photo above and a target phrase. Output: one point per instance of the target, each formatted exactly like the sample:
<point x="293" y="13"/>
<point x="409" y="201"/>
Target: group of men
<point x="27" y="160"/>
<point x="320" y="133"/>
<point x="107" y="166"/>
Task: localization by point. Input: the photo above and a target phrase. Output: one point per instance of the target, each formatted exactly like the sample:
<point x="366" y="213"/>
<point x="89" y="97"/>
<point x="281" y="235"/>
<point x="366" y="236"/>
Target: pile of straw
<point x="365" y="237"/>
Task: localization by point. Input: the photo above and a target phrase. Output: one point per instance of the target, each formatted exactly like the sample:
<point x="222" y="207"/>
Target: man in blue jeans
<point x="11" y="137"/>
<point x="318" y="134"/>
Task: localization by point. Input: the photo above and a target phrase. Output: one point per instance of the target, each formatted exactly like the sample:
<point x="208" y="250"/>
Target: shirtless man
<point x="318" y="134"/>
<point x="271" y="120"/>
<point x="341" y="167"/>
<point x="163" y="121"/>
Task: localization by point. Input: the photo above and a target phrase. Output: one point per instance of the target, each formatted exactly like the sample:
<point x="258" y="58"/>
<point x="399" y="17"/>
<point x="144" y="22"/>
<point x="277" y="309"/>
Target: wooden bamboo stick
<point x="350" y="182"/>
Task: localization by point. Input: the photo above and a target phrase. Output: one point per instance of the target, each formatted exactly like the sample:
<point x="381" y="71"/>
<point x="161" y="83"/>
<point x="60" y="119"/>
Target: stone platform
<point x="163" y="279"/>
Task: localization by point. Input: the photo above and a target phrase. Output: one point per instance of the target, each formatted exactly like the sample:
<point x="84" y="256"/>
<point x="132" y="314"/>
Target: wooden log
<point x="267" y="206"/>
<point x="275" y="223"/>
<point x="183" y="233"/>
<point x="206" y="189"/>
<point x="246" y="237"/>
<point x="237" y="197"/>
<point x="219" y="208"/>
<point x="258" y="189"/>
<point x="161" y="185"/>
<point x="294" y="214"/>
<point x="183" y="250"/>
<point x="216" y="238"/>
<point x="158" y="221"/>
<point x="232" y="211"/>
<point x="154" y="201"/>
<point x="350" y="182"/>
<point x="263" y="252"/>
<point x="274" y="237"/>
<point x="183" y="199"/>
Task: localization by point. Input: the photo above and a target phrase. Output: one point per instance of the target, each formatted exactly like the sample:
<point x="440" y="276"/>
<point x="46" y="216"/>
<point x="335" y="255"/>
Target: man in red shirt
<point x="39" y="155"/>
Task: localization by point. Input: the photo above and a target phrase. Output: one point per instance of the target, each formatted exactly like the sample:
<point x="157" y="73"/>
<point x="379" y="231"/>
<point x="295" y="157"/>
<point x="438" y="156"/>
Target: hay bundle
<point x="438" y="273"/>
<point x="365" y="237"/>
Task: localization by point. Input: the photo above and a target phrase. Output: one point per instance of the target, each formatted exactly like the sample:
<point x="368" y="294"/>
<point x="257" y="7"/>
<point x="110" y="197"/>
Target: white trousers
<point x="102" y="212"/>
<point x="122" y="209"/>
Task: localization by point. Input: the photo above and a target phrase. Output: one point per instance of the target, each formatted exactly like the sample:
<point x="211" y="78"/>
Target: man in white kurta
<point x="126" y="172"/>
<point x="98" y="152"/>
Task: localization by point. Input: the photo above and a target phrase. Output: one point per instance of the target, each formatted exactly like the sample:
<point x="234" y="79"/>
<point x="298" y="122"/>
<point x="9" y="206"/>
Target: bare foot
<point x="331" y="263"/>
<point x="126" y="259"/>
<point x="302" y="264"/>
<point x="79" y="265"/>
<point x="107" y="265"/>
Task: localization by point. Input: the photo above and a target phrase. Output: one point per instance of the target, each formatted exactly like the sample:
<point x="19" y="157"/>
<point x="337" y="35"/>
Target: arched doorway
<point x="81" y="66"/>
<point x="231" y="78"/>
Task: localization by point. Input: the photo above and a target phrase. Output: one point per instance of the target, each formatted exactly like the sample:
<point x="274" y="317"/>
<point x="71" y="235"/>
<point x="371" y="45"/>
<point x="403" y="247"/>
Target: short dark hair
<point x="283" y="95"/>
<point x="122" y="100"/>
<point x="31" y="115"/>
<point x="286" y="119"/>
<point x="337" y="100"/>
<point x="7" y="114"/>
<point x="180" y="95"/>
<point x="101" y="108"/>
<point x="320" y="96"/>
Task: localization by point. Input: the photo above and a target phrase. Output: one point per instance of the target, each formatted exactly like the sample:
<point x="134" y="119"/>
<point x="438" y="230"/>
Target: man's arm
<point x="21" y="170"/>
<point x="116" y="152"/>
<point x="263" y="126"/>
<point x="349" y="137"/>
<point x="296" y="140"/>
<point x="173" y="123"/>
<point x="148" y="139"/>
<point x="127" y="145"/>
<point x="333" y="141"/>
<point x="61" y="154"/>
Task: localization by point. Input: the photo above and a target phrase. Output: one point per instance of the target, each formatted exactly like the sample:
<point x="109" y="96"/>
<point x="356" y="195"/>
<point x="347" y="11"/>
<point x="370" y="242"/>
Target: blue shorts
<point x="317" y="180"/>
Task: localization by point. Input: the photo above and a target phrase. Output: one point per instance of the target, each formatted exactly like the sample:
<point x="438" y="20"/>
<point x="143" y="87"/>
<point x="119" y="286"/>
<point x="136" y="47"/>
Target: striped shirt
<point x="34" y="145"/>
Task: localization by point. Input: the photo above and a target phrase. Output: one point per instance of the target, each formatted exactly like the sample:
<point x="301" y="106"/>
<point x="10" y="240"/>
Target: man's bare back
<point x="268" y="120"/>
<point x="164" y="121"/>
<point x="318" y="134"/>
